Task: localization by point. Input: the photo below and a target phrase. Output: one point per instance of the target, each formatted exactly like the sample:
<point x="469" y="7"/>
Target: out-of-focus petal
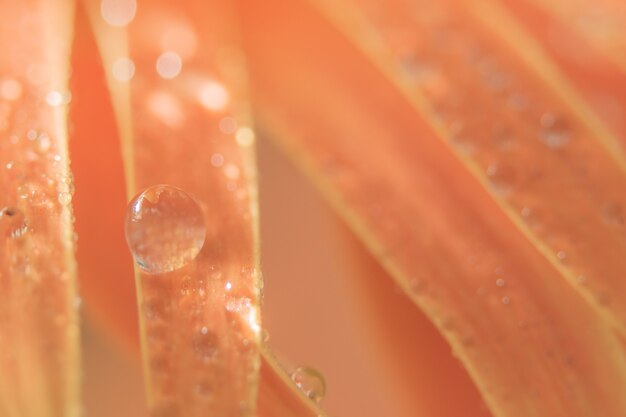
<point x="438" y="219"/>
<point x="39" y="335"/>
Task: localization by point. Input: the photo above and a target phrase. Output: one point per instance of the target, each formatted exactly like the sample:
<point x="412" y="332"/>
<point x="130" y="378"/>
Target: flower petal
<point x="39" y="335"/>
<point x="183" y="123"/>
<point x="431" y="217"/>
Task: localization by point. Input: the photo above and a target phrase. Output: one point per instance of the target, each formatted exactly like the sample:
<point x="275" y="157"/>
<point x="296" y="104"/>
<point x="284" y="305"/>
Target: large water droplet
<point x="310" y="381"/>
<point x="164" y="229"/>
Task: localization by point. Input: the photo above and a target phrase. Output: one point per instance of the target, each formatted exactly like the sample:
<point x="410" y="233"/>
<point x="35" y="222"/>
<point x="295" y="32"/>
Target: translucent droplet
<point x="64" y="198"/>
<point x="311" y="382"/>
<point x="501" y="179"/>
<point x="555" y="132"/>
<point x="123" y="69"/>
<point x="118" y="12"/>
<point x="169" y="64"/>
<point x="205" y="343"/>
<point x="54" y="98"/>
<point x="15" y="222"/>
<point x="213" y="96"/>
<point x="164" y="229"/>
<point x="228" y="125"/>
<point x="244" y="136"/>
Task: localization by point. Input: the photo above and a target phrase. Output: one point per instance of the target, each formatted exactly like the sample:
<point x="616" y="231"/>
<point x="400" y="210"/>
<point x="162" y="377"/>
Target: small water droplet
<point x="54" y="98"/>
<point x="613" y="214"/>
<point x="169" y="65"/>
<point x="65" y="198"/>
<point x="118" y="13"/>
<point x="213" y="96"/>
<point x="310" y="381"/>
<point x="506" y="300"/>
<point x="501" y="179"/>
<point x="245" y="136"/>
<point x="164" y="229"/>
<point x="228" y="125"/>
<point x="555" y="132"/>
<point x="500" y="282"/>
<point x="15" y="221"/>
<point x="123" y="69"/>
<point x="205" y="343"/>
<point x="217" y="160"/>
<point x="231" y="171"/>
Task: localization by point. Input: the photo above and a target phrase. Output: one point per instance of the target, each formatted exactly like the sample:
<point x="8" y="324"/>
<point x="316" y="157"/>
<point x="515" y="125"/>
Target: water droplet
<point x="118" y="12"/>
<point x="555" y="132"/>
<point x="15" y="221"/>
<point x="213" y="96"/>
<point x="123" y="69"/>
<point x="311" y="382"/>
<point x="501" y="179"/>
<point x="164" y="229"/>
<point x="65" y="198"/>
<point x="205" y="343"/>
<point x="54" y="98"/>
<point x="169" y="64"/>
<point x="500" y="282"/>
<point x="244" y="136"/>
<point x="217" y="160"/>
<point x="506" y="300"/>
<point x="228" y="125"/>
<point x="231" y="171"/>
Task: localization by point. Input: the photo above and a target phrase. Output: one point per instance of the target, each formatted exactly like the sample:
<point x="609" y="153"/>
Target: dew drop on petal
<point x="118" y="12"/>
<point x="123" y="69"/>
<point x="213" y="96"/>
<point x="245" y="136"/>
<point x="54" y="98"/>
<point x="555" y="132"/>
<point x="165" y="229"/>
<point x="310" y="381"/>
<point x="14" y="221"/>
<point x="169" y="64"/>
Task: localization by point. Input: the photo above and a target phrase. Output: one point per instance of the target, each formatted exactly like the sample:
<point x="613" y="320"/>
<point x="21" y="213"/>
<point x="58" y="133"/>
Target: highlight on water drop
<point x="164" y="228"/>
<point x="310" y="381"/>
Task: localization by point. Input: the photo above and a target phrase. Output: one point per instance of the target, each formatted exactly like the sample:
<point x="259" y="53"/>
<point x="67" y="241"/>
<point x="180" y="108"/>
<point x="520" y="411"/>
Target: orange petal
<point x="38" y="315"/>
<point x="105" y="270"/>
<point x="171" y="69"/>
<point x="490" y="285"/>
<point x="590" y="65"/>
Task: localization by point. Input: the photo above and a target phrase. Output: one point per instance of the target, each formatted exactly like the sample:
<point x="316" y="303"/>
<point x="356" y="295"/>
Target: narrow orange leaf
<point x="431" y="216"/>
<point x="39" y="334"/>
